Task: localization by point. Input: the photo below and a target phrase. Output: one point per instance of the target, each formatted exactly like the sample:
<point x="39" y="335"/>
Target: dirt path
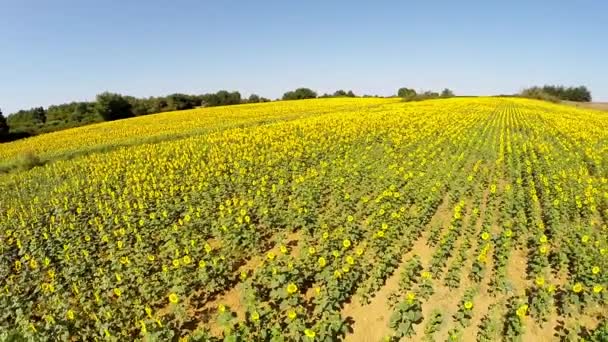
<point x="516" y="271"/>
<point x="231" y="297"/>
<point x="371" y="321"/>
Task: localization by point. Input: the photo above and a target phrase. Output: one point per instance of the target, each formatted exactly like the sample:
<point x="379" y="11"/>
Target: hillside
<point x="330" y="219"/>
<point x="165" y="126"/>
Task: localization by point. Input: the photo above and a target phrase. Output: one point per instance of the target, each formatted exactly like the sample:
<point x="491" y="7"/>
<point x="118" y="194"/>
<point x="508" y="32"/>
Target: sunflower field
<point x="462" y="219"/>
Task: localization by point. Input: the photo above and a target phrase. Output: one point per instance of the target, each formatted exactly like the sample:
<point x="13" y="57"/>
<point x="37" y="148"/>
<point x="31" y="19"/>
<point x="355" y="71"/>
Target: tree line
<point x="306" y="93"/>
<point x="409" y="94"/>
<point x="113" y="106"/>
<point x="109" y="106"/>
<point x="555" y="93"/>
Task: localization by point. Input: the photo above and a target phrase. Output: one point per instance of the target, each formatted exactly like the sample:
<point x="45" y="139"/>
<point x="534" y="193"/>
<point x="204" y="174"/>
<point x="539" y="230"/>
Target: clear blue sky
<point x="59" y="51"/>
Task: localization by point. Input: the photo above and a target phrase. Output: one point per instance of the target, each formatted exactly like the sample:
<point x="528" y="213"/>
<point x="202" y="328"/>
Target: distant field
<point x="592" y="105"/>
<point x="463" y="219"/>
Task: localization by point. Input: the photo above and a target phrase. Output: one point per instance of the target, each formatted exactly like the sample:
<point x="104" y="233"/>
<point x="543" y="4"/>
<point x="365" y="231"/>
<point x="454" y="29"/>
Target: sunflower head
<point x="173" y="298"/>
<point x="292" y="288"/>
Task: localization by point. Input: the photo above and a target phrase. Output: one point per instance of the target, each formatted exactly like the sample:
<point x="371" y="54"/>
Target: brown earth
<point x="590" y="105"/>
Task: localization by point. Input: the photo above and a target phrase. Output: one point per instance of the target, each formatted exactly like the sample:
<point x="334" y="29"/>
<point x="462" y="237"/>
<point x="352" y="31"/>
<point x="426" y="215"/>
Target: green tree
<point x="339" y="93"/>
<point x="253" y="98"/>
<point x="406" y="92"/>
<point x="71" y="114"/>
<point x="39" y="115"/>
<point x="299" y="94"/>
<point x="139" y="106"/>
<point x="447" y="93"/>
<point x="111" y="106"/>
<point x="221" y="98"/>
<point x="180" y="102"/>
<point x="3" y="125"/>
<point x="28" y="120"/>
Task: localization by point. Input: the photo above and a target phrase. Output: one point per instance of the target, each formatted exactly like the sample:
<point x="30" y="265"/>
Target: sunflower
<point x="521" y="310"/>
<point x="292" y="288"/>
<point x="143" y="329"/>
<point x="322" y="262"/>
<point x="173" y="298"/>
<point x="411" y="296"/>
<point x="208" y="248"/>
<point x="540" y="281"/>
<point x="309" y="333"/>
